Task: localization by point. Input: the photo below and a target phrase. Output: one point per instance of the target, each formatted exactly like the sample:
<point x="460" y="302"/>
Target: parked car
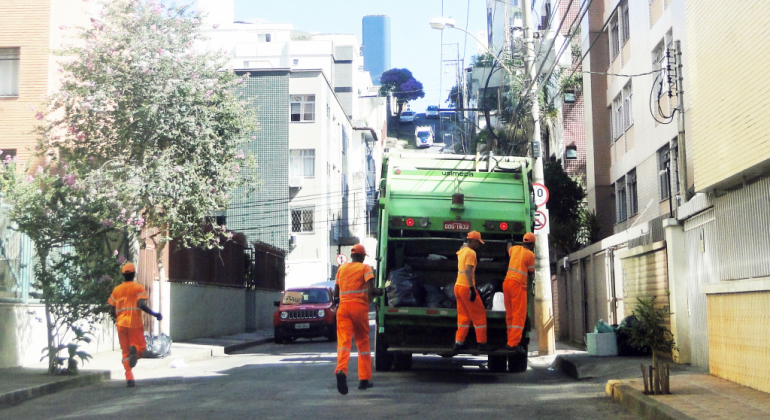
<point x="432" y="112"/>
<point x="407" y="117"/>
<point x="305" y="312"/>
<point x="423" y="136"/>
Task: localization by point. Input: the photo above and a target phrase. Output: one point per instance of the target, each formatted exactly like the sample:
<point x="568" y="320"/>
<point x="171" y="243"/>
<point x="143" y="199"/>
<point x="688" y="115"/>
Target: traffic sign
<point x="342" y="259"/>
<point x="541" y="222"/>
<point x="541" y="194"/>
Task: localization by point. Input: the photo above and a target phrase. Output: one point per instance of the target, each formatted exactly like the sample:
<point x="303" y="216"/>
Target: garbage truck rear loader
<point x="427" y="205"/>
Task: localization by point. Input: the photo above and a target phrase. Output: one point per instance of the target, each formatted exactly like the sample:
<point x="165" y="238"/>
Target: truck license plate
<point x="457" y="225"/>
<point x="305" y="326"/>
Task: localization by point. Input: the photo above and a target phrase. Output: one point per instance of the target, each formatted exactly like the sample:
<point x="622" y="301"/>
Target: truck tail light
<point x="503" y="226"/>
<point x="410" y="222"/>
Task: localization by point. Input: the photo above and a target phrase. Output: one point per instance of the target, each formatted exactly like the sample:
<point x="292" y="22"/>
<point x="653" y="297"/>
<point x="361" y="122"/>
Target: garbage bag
<point x="450" y="300"/>
<point x="404" y="289"/>
<point x="498" y="302"/>
<point x="487" y="294"/>
<point x="603" y="327"/>
<point x="433" y="296"/>
<point x="624" y="339"/>
<point x="158" y="346"/>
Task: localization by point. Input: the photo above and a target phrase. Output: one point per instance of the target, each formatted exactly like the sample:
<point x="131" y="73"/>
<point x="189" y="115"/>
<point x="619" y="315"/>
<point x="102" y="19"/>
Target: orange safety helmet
<point x="128" y="268"/>
<point x="529" y="237"/>
<point x="358" y="249"/>
<point x="475" y="235"/>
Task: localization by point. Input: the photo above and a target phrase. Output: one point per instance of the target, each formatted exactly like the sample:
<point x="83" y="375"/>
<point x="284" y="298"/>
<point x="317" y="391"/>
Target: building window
<point x="265" y="37"/>
<point x="302" y="107"/>
<point x="302" y="219"/>
<point x="614" y="37"/>
<point x="633" y="198"/>
<point x="625" y="24"/>
<point x="295" y="62"/>
<point x="620" y="199"/>
<point x="664" y="172"/>
<point x="344" y="141"/>
<point x="628" y="110"/>
<point x="7" y="154"/>
<point x="571" y="152"/>
<point x="302" y="163"/>
<point x="9" y="71"/>
<point x="618" y="128"/>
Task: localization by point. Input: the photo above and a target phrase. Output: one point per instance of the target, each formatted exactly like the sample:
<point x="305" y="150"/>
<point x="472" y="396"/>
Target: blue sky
<point x="414" y="44"/>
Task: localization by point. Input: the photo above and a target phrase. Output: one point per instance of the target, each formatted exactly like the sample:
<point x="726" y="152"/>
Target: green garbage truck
<point x="427" y="204"/>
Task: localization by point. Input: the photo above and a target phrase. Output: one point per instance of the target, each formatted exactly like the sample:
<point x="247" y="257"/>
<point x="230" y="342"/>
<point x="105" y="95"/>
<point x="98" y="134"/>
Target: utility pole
<point x="543" y="297"/>
<point x="682" y="152"/>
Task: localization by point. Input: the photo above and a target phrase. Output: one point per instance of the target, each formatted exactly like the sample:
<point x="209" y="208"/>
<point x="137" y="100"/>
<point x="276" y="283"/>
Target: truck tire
<point x="497" y="363"/>
<point x="518" y="363"/>
<point x="383" y="361"/>
<point x="277" y="337"/>
<point x="403" y="361"/>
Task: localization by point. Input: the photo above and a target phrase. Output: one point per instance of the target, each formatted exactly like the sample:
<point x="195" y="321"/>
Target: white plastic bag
<point x="498" y="302"/>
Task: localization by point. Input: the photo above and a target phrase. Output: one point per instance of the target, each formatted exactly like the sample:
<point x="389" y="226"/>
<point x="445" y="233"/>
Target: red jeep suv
<point x="305" y="312"/>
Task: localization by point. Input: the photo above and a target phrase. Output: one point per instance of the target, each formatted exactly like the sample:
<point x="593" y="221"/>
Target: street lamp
<point x="440" y="23"/>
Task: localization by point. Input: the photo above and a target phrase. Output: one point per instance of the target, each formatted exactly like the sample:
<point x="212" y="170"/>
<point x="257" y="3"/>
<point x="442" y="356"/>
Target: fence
<point x="268" y="268"/>
<point x="16" y="263"/>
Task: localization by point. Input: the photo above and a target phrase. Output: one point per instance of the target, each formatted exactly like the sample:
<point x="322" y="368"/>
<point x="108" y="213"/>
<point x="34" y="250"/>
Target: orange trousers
<point x="515" y="295"/>
<point x="131" y="337"/>
<point x="353" y="320"/>
<point x="468" y="312"/>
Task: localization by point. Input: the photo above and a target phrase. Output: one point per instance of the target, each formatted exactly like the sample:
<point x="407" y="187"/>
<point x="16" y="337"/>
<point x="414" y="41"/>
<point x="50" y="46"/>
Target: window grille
<point x="620" y="199"/>
<point x="302" y="219"/>
<point x="633" y="199"/>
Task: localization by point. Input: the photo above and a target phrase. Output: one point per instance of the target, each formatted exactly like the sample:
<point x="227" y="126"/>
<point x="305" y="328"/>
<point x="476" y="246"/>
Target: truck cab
<point x="428" y="203"/>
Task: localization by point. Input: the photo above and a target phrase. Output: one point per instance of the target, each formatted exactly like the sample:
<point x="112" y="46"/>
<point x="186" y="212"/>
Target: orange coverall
<point x="130" y="327"/>
<point x="353" y="317"/>
<point x="515" y="291"/>
<point x="468" y="311"/>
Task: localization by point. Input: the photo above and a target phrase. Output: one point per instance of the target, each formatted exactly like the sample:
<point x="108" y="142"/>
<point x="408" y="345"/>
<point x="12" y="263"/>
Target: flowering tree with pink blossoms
<point x="145" y="135"/>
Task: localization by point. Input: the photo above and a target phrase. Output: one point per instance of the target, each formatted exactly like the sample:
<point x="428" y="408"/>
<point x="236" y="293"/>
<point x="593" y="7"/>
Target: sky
<point x="414" y="45"/>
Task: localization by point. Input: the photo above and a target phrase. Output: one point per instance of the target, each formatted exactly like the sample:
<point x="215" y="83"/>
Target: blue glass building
<point x="376" y="48"/>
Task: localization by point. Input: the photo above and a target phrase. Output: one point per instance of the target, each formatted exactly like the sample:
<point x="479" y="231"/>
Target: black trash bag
<point x="404" y="289"/>
<point x="487" y="294"/>
<point x="449" y="300"/>
<point x="623" y="339"/>
<point x="158" y="346"/>
<point x="433" y="296"/>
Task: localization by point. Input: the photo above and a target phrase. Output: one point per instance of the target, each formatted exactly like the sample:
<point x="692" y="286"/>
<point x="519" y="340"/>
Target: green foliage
<point x="454" y="98"/>
<point x="571" y="83"/>
<point x="650" y="329"/>
<point x="482" y="60"/>
<point x="564" y="204"/>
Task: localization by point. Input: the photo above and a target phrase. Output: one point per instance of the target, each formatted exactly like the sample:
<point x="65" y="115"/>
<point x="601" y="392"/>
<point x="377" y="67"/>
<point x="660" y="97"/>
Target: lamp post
<point x="544" y="320"/>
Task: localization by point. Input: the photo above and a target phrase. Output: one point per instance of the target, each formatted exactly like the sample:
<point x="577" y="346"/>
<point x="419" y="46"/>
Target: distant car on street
<point x="423" y="136"/>
<point x="305" y="312"/>
<point x="407" y="117"/>
<point x="432" y="112"/>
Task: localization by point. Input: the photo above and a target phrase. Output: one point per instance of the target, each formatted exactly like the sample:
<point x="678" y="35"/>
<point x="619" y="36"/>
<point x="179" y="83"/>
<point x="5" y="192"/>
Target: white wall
<point x="260" y="309"/>
<point x="205" y="311"/>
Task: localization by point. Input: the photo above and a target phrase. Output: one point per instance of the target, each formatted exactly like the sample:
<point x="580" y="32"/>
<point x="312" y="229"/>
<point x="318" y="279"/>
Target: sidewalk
<point x="21" y="384"/>
<point x="695" y="393"/>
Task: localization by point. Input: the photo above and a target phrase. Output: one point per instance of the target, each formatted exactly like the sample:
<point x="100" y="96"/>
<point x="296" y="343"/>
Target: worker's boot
<point x="459" y="347"/>
<point x="130" y="383"/>
<point x="132" y="356"/>
<point x="342" y="383"/>
<point x="486" y="347"/>
<point x="365" y="384"/>
<point x="519" y="350"/>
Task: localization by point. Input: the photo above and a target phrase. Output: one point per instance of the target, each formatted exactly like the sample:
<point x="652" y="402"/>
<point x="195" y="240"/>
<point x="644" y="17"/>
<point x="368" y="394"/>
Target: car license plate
<point x="304" y="326"/>
<point x="457" y="225"/>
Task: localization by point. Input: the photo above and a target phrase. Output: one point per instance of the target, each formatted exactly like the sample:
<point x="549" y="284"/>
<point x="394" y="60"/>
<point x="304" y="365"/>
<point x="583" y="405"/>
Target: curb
<point x="84" y="378"/>
<point x="240" y="346"/>
<point x="635" y="402"/>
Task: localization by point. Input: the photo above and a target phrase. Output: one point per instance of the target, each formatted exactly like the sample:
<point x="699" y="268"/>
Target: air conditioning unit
<point x="296" y="182"/>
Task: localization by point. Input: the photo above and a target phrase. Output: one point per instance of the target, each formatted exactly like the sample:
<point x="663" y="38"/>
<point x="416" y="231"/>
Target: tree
<point x="159" y="114"/>
<point x="455" y="97"/>
<point x="402" y="85"/>
<point x="564" y="204"/>
<point x="143" y="135"/>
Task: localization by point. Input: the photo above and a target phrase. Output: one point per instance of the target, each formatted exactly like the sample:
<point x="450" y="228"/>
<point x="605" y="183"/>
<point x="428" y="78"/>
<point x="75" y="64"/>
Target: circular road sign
<point x="342" y="259"/>
<point x="540" y="220"/>
<point x="541" y="194"/>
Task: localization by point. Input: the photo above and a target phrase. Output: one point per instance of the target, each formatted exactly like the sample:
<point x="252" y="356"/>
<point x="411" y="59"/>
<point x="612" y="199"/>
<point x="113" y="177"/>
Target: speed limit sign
<point x="541" y="194"/>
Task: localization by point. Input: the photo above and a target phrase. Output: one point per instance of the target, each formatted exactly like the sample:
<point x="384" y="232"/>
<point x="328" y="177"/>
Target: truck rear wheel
<point x="383" y="360"/>
<point x="518" y="363"/>
<point x="403" y="361"/>
<point x="497" y="363"/>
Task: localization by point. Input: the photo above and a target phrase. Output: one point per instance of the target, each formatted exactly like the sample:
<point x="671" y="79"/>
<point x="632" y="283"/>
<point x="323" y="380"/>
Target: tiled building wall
<point x="264" y="214"/>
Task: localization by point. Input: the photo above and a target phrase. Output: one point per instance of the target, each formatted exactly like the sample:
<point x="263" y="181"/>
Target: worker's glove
<point x="336" y="301"/>
<point x="473" y="294"/>
<point x="159" y="317"/>
<point x="377" y="292"/>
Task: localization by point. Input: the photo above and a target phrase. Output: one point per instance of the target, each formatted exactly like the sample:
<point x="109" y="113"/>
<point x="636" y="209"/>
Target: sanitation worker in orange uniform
<point x="470" y="308"/>
<point x="354" y="288"/>
<point x="520" y="266"/>
<point x="128" y="301"/>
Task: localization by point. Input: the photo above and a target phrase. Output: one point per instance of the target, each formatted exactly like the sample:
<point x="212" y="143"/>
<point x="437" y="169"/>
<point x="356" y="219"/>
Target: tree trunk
<point x="161" y="279"/>
<point x="49" y="324"/>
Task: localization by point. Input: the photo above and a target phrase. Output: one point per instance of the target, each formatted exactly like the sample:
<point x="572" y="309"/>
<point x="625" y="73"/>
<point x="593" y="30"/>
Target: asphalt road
<point x="297" y="381"/>
<point x="444" y="130"/>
